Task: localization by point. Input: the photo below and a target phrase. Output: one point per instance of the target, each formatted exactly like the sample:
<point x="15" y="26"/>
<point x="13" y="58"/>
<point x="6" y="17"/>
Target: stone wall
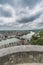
<point x="22" y="57"/>
<point x="16" y="56"/>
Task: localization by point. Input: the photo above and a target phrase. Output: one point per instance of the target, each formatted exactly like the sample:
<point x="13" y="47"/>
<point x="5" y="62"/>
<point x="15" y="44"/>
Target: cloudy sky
<point x="21" y="14"/>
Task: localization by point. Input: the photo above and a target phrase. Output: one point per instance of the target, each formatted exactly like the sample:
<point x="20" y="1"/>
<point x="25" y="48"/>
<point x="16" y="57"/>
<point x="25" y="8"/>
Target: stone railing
<point x="21" y="54"/>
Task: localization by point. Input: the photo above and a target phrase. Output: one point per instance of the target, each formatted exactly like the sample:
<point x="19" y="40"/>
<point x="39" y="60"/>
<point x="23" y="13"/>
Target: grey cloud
<point x="30" y="3"/>
<point x="5" y="13"/>
<point x="25" y="3"/>
<point x="40" y="24"/>
<point x="6" y="1"/>
<point x="20" y="3"/>
<point x="17" y="5"/>
<point x="7" y="26"/>
<point x="29" y="19"/>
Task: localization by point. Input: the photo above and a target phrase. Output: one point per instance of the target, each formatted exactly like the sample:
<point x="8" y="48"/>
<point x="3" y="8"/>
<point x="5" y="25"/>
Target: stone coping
<point x="31" y="64"/>
<point x="21" y="48"/>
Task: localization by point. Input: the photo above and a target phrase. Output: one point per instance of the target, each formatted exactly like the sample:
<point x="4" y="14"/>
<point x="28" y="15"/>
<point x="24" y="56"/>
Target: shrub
<point x="41" y="33"/>
<point x="37" y="42"/>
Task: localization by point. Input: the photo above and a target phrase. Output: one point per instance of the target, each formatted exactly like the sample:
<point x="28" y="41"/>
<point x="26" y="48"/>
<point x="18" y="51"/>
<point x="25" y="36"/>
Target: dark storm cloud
<point x="29" y="19"/>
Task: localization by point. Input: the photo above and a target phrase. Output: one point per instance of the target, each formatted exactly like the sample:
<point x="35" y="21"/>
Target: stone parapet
<point x="21" y="54"/>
